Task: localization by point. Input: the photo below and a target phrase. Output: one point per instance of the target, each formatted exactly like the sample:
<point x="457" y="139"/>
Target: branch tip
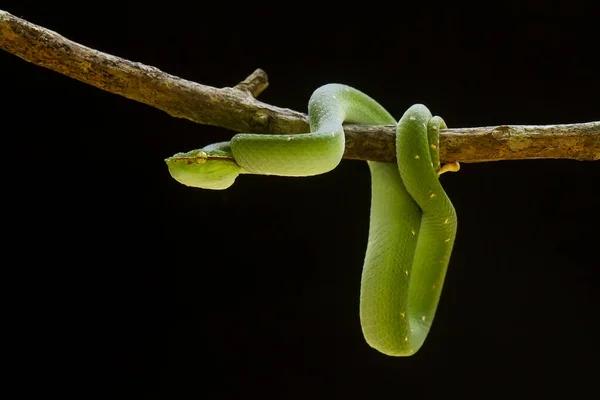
<point x="254" y="84"/>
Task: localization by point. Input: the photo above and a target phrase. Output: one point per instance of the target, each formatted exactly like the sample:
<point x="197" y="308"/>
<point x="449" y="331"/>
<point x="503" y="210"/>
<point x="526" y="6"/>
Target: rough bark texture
<point x="494" y="143"/>
<point x="237" y="108"/>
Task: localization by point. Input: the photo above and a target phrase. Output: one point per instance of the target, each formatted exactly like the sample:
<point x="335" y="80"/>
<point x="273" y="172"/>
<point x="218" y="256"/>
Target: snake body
<point x="412" y="221"/>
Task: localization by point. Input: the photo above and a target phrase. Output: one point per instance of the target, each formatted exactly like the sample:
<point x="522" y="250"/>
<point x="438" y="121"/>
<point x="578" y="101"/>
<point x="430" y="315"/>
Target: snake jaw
<point x="204" y="168"/>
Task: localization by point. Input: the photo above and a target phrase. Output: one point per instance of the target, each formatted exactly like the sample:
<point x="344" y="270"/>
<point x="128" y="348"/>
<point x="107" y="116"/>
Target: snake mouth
<point x="194" y="157"/>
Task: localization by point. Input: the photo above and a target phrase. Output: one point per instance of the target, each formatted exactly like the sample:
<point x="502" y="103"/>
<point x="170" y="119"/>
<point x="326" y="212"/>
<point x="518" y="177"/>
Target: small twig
<point x="237" y="109"/>
<point x="254" y="84"/>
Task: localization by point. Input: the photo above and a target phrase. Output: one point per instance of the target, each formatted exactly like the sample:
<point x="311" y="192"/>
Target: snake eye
<point x="201" y="157"/>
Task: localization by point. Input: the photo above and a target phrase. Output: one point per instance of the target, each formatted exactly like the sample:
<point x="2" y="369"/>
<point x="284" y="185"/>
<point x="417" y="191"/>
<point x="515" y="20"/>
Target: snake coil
<point x="412" y="221"/>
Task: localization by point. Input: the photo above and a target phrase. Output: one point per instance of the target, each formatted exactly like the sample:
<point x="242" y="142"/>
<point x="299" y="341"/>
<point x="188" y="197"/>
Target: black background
<point x="135" y="286"/>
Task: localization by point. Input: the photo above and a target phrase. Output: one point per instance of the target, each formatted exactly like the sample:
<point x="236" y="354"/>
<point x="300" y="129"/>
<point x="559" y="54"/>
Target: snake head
<point x="212" y="167"/>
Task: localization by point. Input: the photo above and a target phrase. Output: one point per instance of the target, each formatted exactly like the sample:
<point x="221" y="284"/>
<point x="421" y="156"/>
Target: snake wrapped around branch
<point x="412" y="221"/>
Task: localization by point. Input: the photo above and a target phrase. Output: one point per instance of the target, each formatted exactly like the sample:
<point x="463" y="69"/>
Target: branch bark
<point x="237" y="109"/>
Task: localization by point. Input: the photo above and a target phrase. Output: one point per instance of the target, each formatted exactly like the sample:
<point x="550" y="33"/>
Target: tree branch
<point x="237" y="108"/>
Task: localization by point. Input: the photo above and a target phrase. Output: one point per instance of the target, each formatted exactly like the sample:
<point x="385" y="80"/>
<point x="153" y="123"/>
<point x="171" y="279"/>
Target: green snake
<point x="412" y="222"/>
